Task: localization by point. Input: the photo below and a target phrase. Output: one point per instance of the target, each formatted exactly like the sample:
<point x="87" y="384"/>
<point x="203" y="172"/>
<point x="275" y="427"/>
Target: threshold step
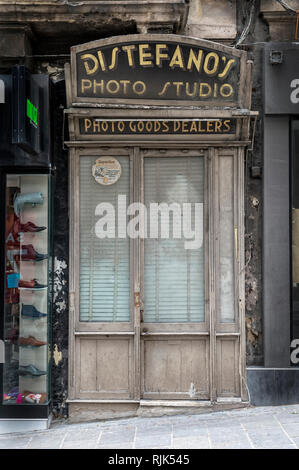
<point x="176" y="403"/>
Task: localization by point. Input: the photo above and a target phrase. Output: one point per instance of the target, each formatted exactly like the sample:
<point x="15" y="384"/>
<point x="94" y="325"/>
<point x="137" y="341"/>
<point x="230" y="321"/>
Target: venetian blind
<point x="173" y="275"/>
<point x="104" y="263"/>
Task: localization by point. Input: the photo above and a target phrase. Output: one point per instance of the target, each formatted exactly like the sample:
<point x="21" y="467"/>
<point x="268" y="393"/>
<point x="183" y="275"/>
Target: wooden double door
<point x="151" y="317"/>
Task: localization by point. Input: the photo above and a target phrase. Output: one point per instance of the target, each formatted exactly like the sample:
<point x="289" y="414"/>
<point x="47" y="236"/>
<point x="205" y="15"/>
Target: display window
<point x="26" y="313"/>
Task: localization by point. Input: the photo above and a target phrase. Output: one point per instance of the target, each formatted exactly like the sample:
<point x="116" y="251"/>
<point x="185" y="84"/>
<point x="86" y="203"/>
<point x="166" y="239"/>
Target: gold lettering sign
<point x="97" y="126"/>
<point x="154" y="68"/>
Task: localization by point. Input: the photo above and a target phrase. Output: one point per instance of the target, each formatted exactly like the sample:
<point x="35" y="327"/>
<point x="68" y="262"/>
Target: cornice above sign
<point x="158" y="70"/>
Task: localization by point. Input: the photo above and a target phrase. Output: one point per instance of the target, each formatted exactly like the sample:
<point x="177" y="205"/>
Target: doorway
<point x="157" y="315"/>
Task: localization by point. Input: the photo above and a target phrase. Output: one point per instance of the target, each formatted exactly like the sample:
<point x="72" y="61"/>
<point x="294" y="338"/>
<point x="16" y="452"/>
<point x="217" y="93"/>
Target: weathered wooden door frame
<point x="219" y="332"/>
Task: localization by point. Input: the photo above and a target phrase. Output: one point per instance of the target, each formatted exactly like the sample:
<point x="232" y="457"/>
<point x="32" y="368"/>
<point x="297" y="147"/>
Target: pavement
<point x="272" y="427"/>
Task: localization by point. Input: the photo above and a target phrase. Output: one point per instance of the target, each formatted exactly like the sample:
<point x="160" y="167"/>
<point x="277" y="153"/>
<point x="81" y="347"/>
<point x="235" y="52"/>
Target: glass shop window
<point x="26" y="316"/>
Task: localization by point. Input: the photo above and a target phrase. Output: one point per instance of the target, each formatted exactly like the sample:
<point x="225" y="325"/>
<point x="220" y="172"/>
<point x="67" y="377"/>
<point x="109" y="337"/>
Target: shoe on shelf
<point x="32" y="285"/>
<point x="12" y="394"/>
<point x="31" y="370"/>
<point x="7" y="397"/>
<point x="28" y="253"/>
<point x="27" y="227"/>
<point x="27" y="198"/>
<point x="31" y="341"/>
<point x="31" y="311"/>
<point x="33" y="398"/>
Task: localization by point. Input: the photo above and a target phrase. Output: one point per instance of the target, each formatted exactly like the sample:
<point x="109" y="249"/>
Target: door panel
<point x="104" y="367"/>
<point x="176" y="368"/>
<point x="228" y="380"/>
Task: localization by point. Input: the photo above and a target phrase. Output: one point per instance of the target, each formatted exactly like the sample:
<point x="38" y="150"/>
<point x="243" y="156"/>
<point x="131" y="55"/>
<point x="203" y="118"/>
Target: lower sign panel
<point x="96" y="126"/>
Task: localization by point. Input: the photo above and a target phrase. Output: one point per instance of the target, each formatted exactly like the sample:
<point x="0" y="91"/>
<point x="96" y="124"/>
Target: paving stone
<point x="273" y="441"/>
<point x="223" y="423"/>
<point x="292" y="429"/>
<point x="266" y="433"/>
<point x="296" y="441"/>
<point x="227" y="435"/>
<point x="192" y="431"/>
<point x="116" y="445"/>
<point x="154" y="429"/>
<point x="264" y="427"/>
<point x="84" y="435"/>
<point x="252" y="421"/>
<point x="117" y="436"/>
<point x="288" y="417"/>
<point x="79" y="445"/>
<point x="14" y="443"/>
<point x="150" y="440"/>
<point x="275" y="446"/>
<point x="232" y="445"/>
<point x="46" y="442"/>
<point x="191" y="443"/>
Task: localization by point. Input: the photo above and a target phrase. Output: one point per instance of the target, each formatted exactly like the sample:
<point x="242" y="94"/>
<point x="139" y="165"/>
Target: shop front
<point x="277" y="382"/>
<point x="26" y="251"/>
<point x="158" y="130"/>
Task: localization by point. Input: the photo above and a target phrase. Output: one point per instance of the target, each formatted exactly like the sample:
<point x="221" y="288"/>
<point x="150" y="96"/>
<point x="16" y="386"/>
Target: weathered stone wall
<point x="224" y="21"/>
<point x="258" y="33"/>
<point x="61" y="257"/>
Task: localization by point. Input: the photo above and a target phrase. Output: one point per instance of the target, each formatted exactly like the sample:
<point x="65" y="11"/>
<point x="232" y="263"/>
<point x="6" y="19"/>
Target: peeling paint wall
<point x="258" y="33"/>
<point x="59" y="371"/>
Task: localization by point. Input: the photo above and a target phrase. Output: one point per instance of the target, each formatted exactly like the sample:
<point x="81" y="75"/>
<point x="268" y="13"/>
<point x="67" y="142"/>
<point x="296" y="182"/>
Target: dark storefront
<point x="26" y="250"/>
<point x="277" y="382"/>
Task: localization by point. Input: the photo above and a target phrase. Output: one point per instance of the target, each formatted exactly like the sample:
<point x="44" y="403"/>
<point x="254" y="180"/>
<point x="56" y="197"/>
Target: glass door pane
<point x="104" y="262"/>
<point x="174" y="269"/>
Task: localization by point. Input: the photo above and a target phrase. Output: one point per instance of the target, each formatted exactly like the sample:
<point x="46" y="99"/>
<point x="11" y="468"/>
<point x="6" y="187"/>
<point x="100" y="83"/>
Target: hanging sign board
<point x="161" y="69"/>
<point x="26" y="92"/>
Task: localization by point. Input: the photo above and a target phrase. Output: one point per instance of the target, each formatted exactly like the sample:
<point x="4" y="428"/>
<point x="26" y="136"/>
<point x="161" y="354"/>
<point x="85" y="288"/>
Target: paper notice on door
<point x="106" y="170"/>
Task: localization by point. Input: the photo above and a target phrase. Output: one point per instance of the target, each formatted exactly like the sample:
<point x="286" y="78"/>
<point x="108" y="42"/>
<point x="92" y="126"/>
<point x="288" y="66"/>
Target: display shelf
<point x="27" y="307"/>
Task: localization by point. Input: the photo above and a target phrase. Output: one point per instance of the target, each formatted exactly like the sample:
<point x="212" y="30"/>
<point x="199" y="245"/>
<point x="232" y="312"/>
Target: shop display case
<point x="26" y="294"/>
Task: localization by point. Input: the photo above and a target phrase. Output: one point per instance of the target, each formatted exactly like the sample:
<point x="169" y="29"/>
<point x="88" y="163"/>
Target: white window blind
<point x="173" y="275"/>
<point x="226" y="242"/>
<point x="104" y="263"/>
